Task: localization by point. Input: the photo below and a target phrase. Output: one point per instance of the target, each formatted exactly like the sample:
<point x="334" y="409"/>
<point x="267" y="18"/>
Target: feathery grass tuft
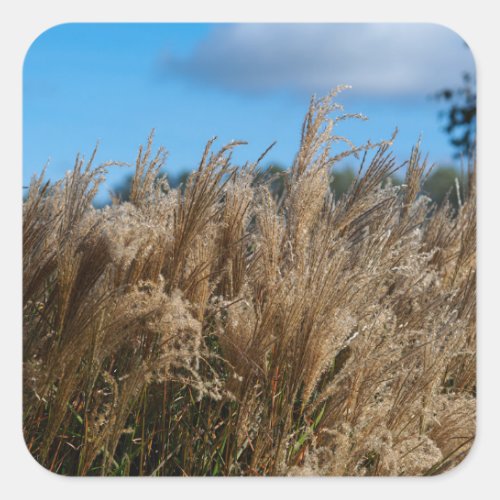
<point x="225" y="329"/>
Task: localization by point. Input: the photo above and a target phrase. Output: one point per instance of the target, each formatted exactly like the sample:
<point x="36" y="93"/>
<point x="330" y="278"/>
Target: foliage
<point x="445" y="183"/>
<point x="461" y="116"/>
<point x="438" y="185"/>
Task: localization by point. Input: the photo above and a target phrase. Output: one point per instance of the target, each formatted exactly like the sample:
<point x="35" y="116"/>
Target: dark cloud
<point x="376" y="59"/>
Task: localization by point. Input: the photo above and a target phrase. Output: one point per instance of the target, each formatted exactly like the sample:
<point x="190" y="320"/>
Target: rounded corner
<point x="455" y="33"/>
<point x="459" y="464"/>
<point x="39" y="37"/>
<point x="34" y="459"/>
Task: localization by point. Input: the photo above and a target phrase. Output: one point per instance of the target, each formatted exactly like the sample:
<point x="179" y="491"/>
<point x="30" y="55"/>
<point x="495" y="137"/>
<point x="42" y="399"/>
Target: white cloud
<point x="376" y="59"/>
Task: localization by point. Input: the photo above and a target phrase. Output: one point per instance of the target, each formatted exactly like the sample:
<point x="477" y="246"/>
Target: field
<point x="224" y="328"/>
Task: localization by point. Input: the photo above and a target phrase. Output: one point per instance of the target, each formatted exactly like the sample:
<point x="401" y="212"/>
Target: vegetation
<point x="445" y="183"/>
<point x="221" y="330"/>
<point x="461" y="115"/>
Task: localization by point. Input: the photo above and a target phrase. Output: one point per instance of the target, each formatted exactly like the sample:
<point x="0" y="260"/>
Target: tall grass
<point x="223" y="330"/>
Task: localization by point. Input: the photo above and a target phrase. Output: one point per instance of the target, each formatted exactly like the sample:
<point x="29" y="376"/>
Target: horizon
<point x="114" y="83"/>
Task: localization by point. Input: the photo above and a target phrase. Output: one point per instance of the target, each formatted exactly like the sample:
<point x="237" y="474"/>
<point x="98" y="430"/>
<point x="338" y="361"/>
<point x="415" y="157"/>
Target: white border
<point x="22" y="22"/>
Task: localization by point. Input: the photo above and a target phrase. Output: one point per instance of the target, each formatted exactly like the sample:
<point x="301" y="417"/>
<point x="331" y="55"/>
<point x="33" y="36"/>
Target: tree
<point x="442" y="182"/>
<point x="341" y="181"/>
<point x="461" y="115"/>
<point x="122" y="189"/>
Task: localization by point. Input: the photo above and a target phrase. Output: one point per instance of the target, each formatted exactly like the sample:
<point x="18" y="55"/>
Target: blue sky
<point x="113" y="83"/>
